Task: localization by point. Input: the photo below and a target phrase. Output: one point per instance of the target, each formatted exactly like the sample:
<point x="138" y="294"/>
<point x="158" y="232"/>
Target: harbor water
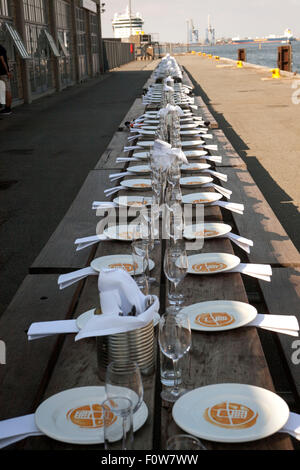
<point x="264" y="54"/>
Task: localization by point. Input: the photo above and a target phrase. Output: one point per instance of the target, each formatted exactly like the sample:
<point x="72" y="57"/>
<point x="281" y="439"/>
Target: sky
<point x="167" y="19"/>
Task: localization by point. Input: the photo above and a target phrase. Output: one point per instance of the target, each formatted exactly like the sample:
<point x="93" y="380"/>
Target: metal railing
<point x="117" y="53"/>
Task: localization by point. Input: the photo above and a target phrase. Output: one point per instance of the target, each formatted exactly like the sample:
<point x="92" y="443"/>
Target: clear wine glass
<point x="174" y="340"/>
<point x="175" y="268"/>
<point x="123" y="378"/>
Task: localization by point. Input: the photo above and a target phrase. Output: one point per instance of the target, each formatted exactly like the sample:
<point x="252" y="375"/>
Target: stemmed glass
<point x="175" y="268"/>
<point x="174" y="340"/>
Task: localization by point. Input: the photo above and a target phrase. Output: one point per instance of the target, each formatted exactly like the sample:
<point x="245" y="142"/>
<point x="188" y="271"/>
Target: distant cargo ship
<point x="286" y="38"/>
<point x="127" y="24"/>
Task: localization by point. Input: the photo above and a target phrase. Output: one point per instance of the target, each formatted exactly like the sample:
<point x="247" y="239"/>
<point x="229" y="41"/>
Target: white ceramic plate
<point x="193" y="167"/>
<point x="230" y="413"/>
<point x="75" y="416"/>
<point x="192" y="143"/>
<point x="141" y="169"/>
<point x="118" y="262"/>
<point x="133" y="201"/>
<point x="192" y="181"/>
<point x="206" y="230"/>
<point x="201" y="198"/>
<point x="211" y="263"/>
<point x="195" y="153"/>
<point x="138" y="184"/>
<point x="219" y="315"/>
<point x="82" y="320"/>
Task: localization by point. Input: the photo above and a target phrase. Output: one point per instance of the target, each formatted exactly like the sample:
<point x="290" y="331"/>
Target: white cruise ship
<point x="127" y="24"/>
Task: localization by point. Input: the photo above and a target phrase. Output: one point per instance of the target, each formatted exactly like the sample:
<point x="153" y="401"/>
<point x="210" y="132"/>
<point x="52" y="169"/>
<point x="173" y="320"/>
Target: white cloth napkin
<point x="225" y="192"/>
<point x="85" y="242"/>
<point x="66" y="280"/>
<point x="103" y="205"/>
<point x="15" y="429"/>
<point x="259" y="271"/>
<point x="48" y="328"/>
<point x="119" y="293"/>
<point x="231" y="206"/>
<point x="242" y="242"/>
<point x="286" y="324"/>
<point x="217" y="174"/>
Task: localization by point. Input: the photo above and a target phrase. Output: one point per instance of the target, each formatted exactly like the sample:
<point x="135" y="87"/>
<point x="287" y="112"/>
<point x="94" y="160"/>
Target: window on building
<point x="5" y="8"/>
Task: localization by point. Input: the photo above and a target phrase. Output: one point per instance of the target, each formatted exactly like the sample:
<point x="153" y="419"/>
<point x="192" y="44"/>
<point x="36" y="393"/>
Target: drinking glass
<point x="123" y="378"/>
<point x="174" y="341"/>
<point x="118" y="423"/>
<point x="175" y="268"/>
<point x="140" y="260"/>
<point x="184" y="442"/>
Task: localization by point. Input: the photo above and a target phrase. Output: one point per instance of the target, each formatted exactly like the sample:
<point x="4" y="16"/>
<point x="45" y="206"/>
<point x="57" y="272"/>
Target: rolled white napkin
<point x="259" y="271"/>
<point x="49" y="328"/>
<point x="110" y="191"/>
<point x="82" y="243"/>
<point x="213" y="158"/>
<point x="15" y="429"/>
<point x="217" y="174"/>
<point x="132" y="147"/>
<point x="225" y="192"/>
<point x="66" y="280"/>
<point x="119" y="293"/>
<point x="117" y="176"/>
<point x="124" y="159"/>
<point x="231" y="206"/>
<point x="103" y="205"/>
<point x="242" y="242"/>
<point x="285" y="324"/>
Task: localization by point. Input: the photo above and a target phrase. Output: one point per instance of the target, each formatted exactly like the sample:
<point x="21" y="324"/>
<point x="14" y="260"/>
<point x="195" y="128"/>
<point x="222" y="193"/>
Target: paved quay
<point x="261" y="119"/>
<point x="47" y="150"/>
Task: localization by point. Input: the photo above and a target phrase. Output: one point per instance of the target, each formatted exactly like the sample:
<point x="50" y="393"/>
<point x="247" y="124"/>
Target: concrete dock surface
<point x="261" y="118"/>
<point x="47" y="150"/>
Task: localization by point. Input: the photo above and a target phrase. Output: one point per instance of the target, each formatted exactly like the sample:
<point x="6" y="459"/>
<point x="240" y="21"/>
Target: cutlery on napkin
<point x="286" y="324"/>
<point x="66" y="280"/>
<point x="259" y="271"/>
<point x="15" y="429"/>
<point x="85" y="242"/>
<point x="231" y="206"/>
<point x="225" y="192"/>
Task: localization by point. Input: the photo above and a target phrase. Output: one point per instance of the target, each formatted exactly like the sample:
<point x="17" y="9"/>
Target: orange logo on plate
<point x="199" y="201"/>
<point x="90" y="416"/>
<point x="231" y="415"/>
<point x="208" y="267"/>
<point x="136" y="203"/>
<point x="127" y="266"/>
<point x="206" y="233"/>
<point x="214" y="319"/>
<point x="141" y="185"/>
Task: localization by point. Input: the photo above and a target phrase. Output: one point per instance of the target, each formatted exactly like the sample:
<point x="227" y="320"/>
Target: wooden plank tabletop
<point x="235" y="356"/>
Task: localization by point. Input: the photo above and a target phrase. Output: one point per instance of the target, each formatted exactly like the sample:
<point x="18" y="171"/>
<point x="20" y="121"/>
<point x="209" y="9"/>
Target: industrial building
<point x="54" y="44"/>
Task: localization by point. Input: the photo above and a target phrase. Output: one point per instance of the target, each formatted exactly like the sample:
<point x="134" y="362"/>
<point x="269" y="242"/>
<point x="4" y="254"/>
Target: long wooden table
<point x="44" y="367"/>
